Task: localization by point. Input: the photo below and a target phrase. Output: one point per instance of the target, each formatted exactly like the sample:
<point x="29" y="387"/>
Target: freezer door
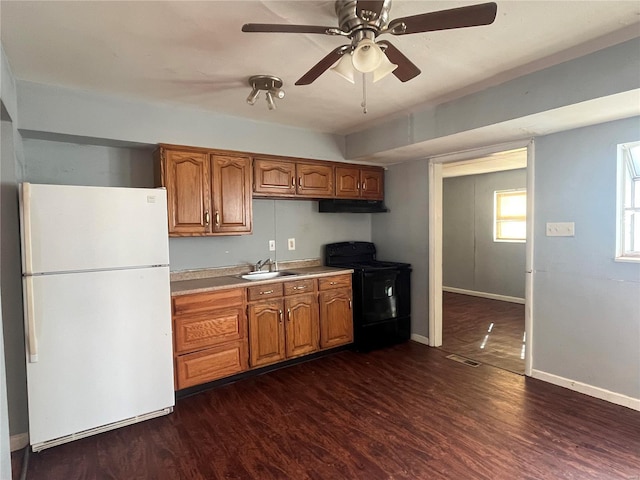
<point x="72" y="228"/>
<point x="104" y="350"/>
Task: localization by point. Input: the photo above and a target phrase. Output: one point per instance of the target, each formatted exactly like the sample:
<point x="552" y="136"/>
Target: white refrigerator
<point x="97" y="305"/>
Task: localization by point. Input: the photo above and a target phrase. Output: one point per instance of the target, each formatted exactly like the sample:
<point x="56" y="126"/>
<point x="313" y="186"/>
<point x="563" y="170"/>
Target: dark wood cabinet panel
<point x="315" y="181"/>
<point x="302" y="324"/>
<point x="188" y="200"/>
<point x="266" y="332"/>
<point x="274" y="178"/>
<point x="354" y="182"/>
<point x="208" y="194"/>
<point x="232" y="212"/>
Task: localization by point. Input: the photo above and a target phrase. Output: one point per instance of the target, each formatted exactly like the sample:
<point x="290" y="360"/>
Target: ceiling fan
<point x="363" y="21"/>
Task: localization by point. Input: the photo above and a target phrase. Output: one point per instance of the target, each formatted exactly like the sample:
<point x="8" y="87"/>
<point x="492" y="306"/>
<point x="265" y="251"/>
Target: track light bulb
<point x="253" y="96"/>
<point x="270" y="102"/>
<point x="278" y="93"/>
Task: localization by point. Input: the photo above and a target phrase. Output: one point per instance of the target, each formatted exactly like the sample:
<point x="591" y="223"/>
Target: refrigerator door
<point x="104" y="349"/>
<point x="72" y="228"/>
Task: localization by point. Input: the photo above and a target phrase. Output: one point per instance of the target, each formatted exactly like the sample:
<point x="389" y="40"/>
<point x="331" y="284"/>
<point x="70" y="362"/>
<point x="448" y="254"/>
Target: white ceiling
<point x="194" y="53"/>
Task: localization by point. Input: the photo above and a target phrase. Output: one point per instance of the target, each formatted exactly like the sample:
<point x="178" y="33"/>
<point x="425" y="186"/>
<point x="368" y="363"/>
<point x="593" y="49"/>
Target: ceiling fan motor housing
<point x="348" y="18"/>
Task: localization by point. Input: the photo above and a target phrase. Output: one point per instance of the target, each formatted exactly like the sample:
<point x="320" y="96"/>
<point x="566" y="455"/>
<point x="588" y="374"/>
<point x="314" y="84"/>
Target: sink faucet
<point x="261" y="264"/>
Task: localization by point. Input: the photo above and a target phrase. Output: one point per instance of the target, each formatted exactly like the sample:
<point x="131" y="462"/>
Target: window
<point x="628" y="231"/>
<point x="510" y="215"/>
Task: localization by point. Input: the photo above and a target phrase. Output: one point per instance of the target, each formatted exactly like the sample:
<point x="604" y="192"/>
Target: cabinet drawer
<point x="336" y="281"/>
<point x="261" y="292"/>
<point x="211" y="364"/>
<point x="197" y="332"/>
<point x="205" y="302"/>
<point x="300" y="286"/>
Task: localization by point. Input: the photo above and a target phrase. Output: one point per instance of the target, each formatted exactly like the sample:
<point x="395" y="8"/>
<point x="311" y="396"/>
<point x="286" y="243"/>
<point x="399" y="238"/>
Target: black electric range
<point x="381" y="294"/>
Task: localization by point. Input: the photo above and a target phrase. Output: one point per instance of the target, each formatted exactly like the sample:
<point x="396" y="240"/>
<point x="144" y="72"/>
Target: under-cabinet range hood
<point x="351" y="206"/>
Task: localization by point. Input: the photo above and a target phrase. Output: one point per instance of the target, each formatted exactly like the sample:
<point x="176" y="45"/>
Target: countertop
<point x="220" y="282"/>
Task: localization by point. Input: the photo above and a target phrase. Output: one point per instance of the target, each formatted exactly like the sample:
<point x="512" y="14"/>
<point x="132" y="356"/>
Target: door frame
<point x="435" y="240"/>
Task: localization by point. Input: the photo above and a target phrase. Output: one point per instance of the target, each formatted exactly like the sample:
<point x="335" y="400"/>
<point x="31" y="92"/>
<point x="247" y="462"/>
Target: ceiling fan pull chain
<point x="364" y="93"/>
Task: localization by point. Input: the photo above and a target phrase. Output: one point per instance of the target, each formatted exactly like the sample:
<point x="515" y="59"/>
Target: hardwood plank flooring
<point x="485" y="330"/>
<point x="404" y="412"/>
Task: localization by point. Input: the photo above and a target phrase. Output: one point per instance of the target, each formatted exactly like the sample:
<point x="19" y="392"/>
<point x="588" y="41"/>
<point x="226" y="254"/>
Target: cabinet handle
<point x="364" y="186"/>
<point x="206" y="218"/>
<point x="280" y="315"/>
<point x="293" y="181"/>
<point x="299" y="181"/>
<point x="288" y="314"/>
<point x="350" y="306"/>
<point x="357" y="185"/>
<point x="217" y="218"/>
<point x="333" y="283"/>
<point x="266" y="292"/>
<point x="301" y="287"/>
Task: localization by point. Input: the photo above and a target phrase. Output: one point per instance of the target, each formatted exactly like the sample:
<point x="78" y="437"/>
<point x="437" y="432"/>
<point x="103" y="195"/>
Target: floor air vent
<point x="466" y="361"/>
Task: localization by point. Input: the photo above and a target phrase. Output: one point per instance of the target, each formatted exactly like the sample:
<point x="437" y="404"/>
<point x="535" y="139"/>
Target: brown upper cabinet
<point x="290" y="178"/>
<point x="359" y="182"/>
<point x="208" y="192"/>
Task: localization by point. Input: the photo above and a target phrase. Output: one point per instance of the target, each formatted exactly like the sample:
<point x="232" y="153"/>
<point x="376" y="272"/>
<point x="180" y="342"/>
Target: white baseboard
<point x="18" y="441"/>
<point x="419" y="338"/>
<point x="597" y="392"/>
<point x="492" y="296"/>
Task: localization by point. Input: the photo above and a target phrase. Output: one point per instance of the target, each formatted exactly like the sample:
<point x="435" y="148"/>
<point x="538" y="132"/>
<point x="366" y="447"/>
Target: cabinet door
<point x="336" y="318"/>
<point x="266" y="333"/>
<point x="372" y="183"/>
<point x="347" y="182"/>
<point x="274" y="178"/>
<point x="231" y="186"/>
<point x="315" y="181"/>
<point x="187" y="182"/>
<point x="301" y="325"/>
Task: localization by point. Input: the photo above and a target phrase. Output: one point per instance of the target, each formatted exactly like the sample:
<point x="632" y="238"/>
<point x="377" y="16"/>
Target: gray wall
<point x="401" y="235"/>
<point x="586" y="307"/>
<point x="471" y="260"/>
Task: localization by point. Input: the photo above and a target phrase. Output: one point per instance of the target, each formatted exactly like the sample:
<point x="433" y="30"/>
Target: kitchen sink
<point x="265" y="275"/>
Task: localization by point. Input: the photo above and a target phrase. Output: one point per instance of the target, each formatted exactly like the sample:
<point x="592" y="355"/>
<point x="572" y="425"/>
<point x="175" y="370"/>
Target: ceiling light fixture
<point x="272" y="86"/>
<point x="365" y="56"/>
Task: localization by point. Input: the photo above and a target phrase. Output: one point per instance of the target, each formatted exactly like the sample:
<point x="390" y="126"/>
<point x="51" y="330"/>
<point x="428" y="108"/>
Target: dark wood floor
<point x="485" y="330"/>
<point x="404" y="412"/>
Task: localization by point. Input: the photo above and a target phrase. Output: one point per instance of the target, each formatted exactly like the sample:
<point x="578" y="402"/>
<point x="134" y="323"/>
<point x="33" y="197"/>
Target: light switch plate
<point x="561" y="229"/>
<point x="291" y="243"/>
<point x="272" y="245"/>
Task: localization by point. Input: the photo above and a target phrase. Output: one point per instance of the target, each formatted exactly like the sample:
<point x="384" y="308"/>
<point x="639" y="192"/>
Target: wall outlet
<point x="272" y="245"/>
<point x="561" y="229"/>
<point x="291" y="243"/>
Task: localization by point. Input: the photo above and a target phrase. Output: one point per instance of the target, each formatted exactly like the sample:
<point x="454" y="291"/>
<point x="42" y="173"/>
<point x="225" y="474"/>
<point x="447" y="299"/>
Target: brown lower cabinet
<point x="221" y="333"/>
<point x="281" y="328"/>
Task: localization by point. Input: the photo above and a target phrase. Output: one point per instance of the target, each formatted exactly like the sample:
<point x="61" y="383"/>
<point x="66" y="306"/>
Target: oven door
<point x="379" y="296"/>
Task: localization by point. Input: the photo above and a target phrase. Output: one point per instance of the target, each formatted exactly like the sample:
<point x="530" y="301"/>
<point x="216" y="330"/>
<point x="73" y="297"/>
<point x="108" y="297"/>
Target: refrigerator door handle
<point x="25" y="225"/>
<point x="32" y="340"/>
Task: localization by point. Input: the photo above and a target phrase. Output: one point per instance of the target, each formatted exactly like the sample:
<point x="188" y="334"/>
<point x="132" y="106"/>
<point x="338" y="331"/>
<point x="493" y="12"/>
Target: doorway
<point x="460" y="302"/>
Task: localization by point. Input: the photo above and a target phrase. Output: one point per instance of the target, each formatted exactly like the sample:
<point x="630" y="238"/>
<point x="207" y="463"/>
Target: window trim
<point x="520" y="218"/>
<point x="624" y="167"/>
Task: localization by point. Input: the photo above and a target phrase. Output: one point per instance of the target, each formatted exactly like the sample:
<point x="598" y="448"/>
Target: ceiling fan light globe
<point x="385" y="68"/>
<point x="344" y="68"/>
<point x="367" y="56"/>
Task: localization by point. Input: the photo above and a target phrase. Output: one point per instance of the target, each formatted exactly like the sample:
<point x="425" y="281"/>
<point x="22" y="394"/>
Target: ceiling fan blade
<point x="275" y="28"/>
<point x="471" y="16"/>
<point x="369" y="10"/>
<point x="406" y="69"/>
<point x="323" y="65"/>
